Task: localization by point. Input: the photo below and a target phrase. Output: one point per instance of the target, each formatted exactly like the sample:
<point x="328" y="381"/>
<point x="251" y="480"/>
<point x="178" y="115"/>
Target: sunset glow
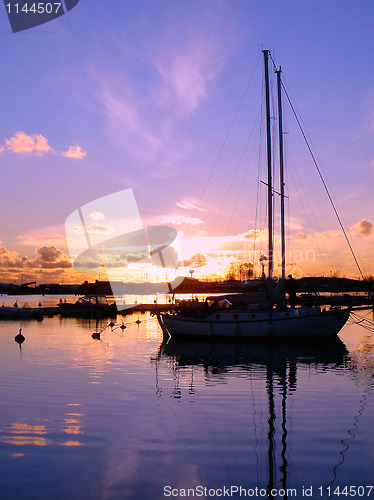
<point x="174" y="112"/>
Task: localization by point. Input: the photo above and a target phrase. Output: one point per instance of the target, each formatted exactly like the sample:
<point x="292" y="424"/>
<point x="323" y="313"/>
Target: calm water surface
<point x="127" y="415"/>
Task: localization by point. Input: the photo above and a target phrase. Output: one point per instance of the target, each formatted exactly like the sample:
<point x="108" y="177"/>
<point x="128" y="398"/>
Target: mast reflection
<point x="277" y="362"/>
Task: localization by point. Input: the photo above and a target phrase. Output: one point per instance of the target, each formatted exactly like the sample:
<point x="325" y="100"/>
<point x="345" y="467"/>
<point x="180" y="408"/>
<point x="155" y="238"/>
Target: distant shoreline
<point x="188" y="285"/>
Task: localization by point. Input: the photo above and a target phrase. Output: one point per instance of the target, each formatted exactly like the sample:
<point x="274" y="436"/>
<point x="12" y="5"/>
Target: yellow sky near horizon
<point x="210" y="257"/>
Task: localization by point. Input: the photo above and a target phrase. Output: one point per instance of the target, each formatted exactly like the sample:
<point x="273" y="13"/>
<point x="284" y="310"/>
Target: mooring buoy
<point x="19" y="338"/>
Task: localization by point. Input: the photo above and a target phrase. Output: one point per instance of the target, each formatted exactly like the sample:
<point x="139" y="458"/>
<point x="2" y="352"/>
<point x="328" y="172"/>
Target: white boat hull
<point x="291" y="323"/>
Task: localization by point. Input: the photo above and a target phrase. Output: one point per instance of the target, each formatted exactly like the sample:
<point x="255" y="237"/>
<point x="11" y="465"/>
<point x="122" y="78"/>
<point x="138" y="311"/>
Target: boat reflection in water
<point x="277" y="355"/>
<point x="270" y="371"/>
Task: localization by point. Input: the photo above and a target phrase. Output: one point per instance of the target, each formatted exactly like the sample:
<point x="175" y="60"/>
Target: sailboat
<point x="261" y="315"/>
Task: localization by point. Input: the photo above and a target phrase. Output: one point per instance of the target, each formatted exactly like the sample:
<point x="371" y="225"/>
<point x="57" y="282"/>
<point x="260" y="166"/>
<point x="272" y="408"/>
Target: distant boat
<point x="20" y="313"/>
<point x="257" y="316"/>
<point x="89" y="305"/>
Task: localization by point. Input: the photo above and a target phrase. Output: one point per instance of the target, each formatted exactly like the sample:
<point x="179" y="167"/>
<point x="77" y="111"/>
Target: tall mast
<point x="281" y="167"/>
<point x="269" y="183"/>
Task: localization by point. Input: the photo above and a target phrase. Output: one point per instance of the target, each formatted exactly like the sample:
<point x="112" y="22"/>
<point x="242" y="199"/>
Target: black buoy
<point x="19" y="338"/>
<point x="96" y="335"/>
<point x="138" y="321"/>
<point x="123" y="326"/>
<point x="111" y="324"/>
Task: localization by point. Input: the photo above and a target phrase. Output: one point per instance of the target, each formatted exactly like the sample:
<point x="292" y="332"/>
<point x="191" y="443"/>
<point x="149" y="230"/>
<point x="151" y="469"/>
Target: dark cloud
<point x="46" y="258"/>
<point x="48" y="254"/>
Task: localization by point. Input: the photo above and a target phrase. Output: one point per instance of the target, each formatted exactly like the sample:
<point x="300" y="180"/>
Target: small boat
<point x="20" y="313"/>
<point x="258" y="315"/>
<point x="89" y="305"/>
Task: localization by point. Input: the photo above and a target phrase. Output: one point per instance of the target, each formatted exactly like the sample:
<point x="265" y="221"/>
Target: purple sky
<point x="117" y="95"/>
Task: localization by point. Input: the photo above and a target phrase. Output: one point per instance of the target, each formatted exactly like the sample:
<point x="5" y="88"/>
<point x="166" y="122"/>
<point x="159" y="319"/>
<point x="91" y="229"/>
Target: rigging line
<point x="312" y="145"/>
<point x="243" y="182"/>
<point x="284" y="430"/>
<point x="233" y="177"/>
<point x="286" y="208"/>
<point x="311" y="211"/>
<point x="323" y="182"/>
<point x="367" y="314"/>
<point x="323" y="173"/>
<point x="258" y="202"/>
<point x="364" y="318"/>
<point x="254" y="414"/>
<point x="275" y="147"/>
<point x="258" y="194"/>
<point x="366" y="327"/>
<point x="308" y="220"/>
<point x="328" y="185"/>
<point x="286" y="190"/>
<point x="362" y="322"/>
<point x="226" y="137"/>
<point x="354" y="427"/>
<point x="272" y="60"/>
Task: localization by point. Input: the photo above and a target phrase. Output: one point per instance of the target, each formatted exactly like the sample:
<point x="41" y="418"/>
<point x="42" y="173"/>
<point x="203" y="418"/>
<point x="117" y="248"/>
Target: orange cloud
<point x="181" y="219"/>
<point x="255" y="234"/>
<point x="26" y="144"/>
<point x="75" y="152"/>
<point x="94" y="228"/>
<point x="197" y="260"/>
<point x="301" y="236"/>
<point x="22" y="143"/>
<point x="48" y="254"/>
<point x="330" y="234"/>
<point x="363" y="228"/>
<point x="96" y="216"/>
<point x="47" y="257"/>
